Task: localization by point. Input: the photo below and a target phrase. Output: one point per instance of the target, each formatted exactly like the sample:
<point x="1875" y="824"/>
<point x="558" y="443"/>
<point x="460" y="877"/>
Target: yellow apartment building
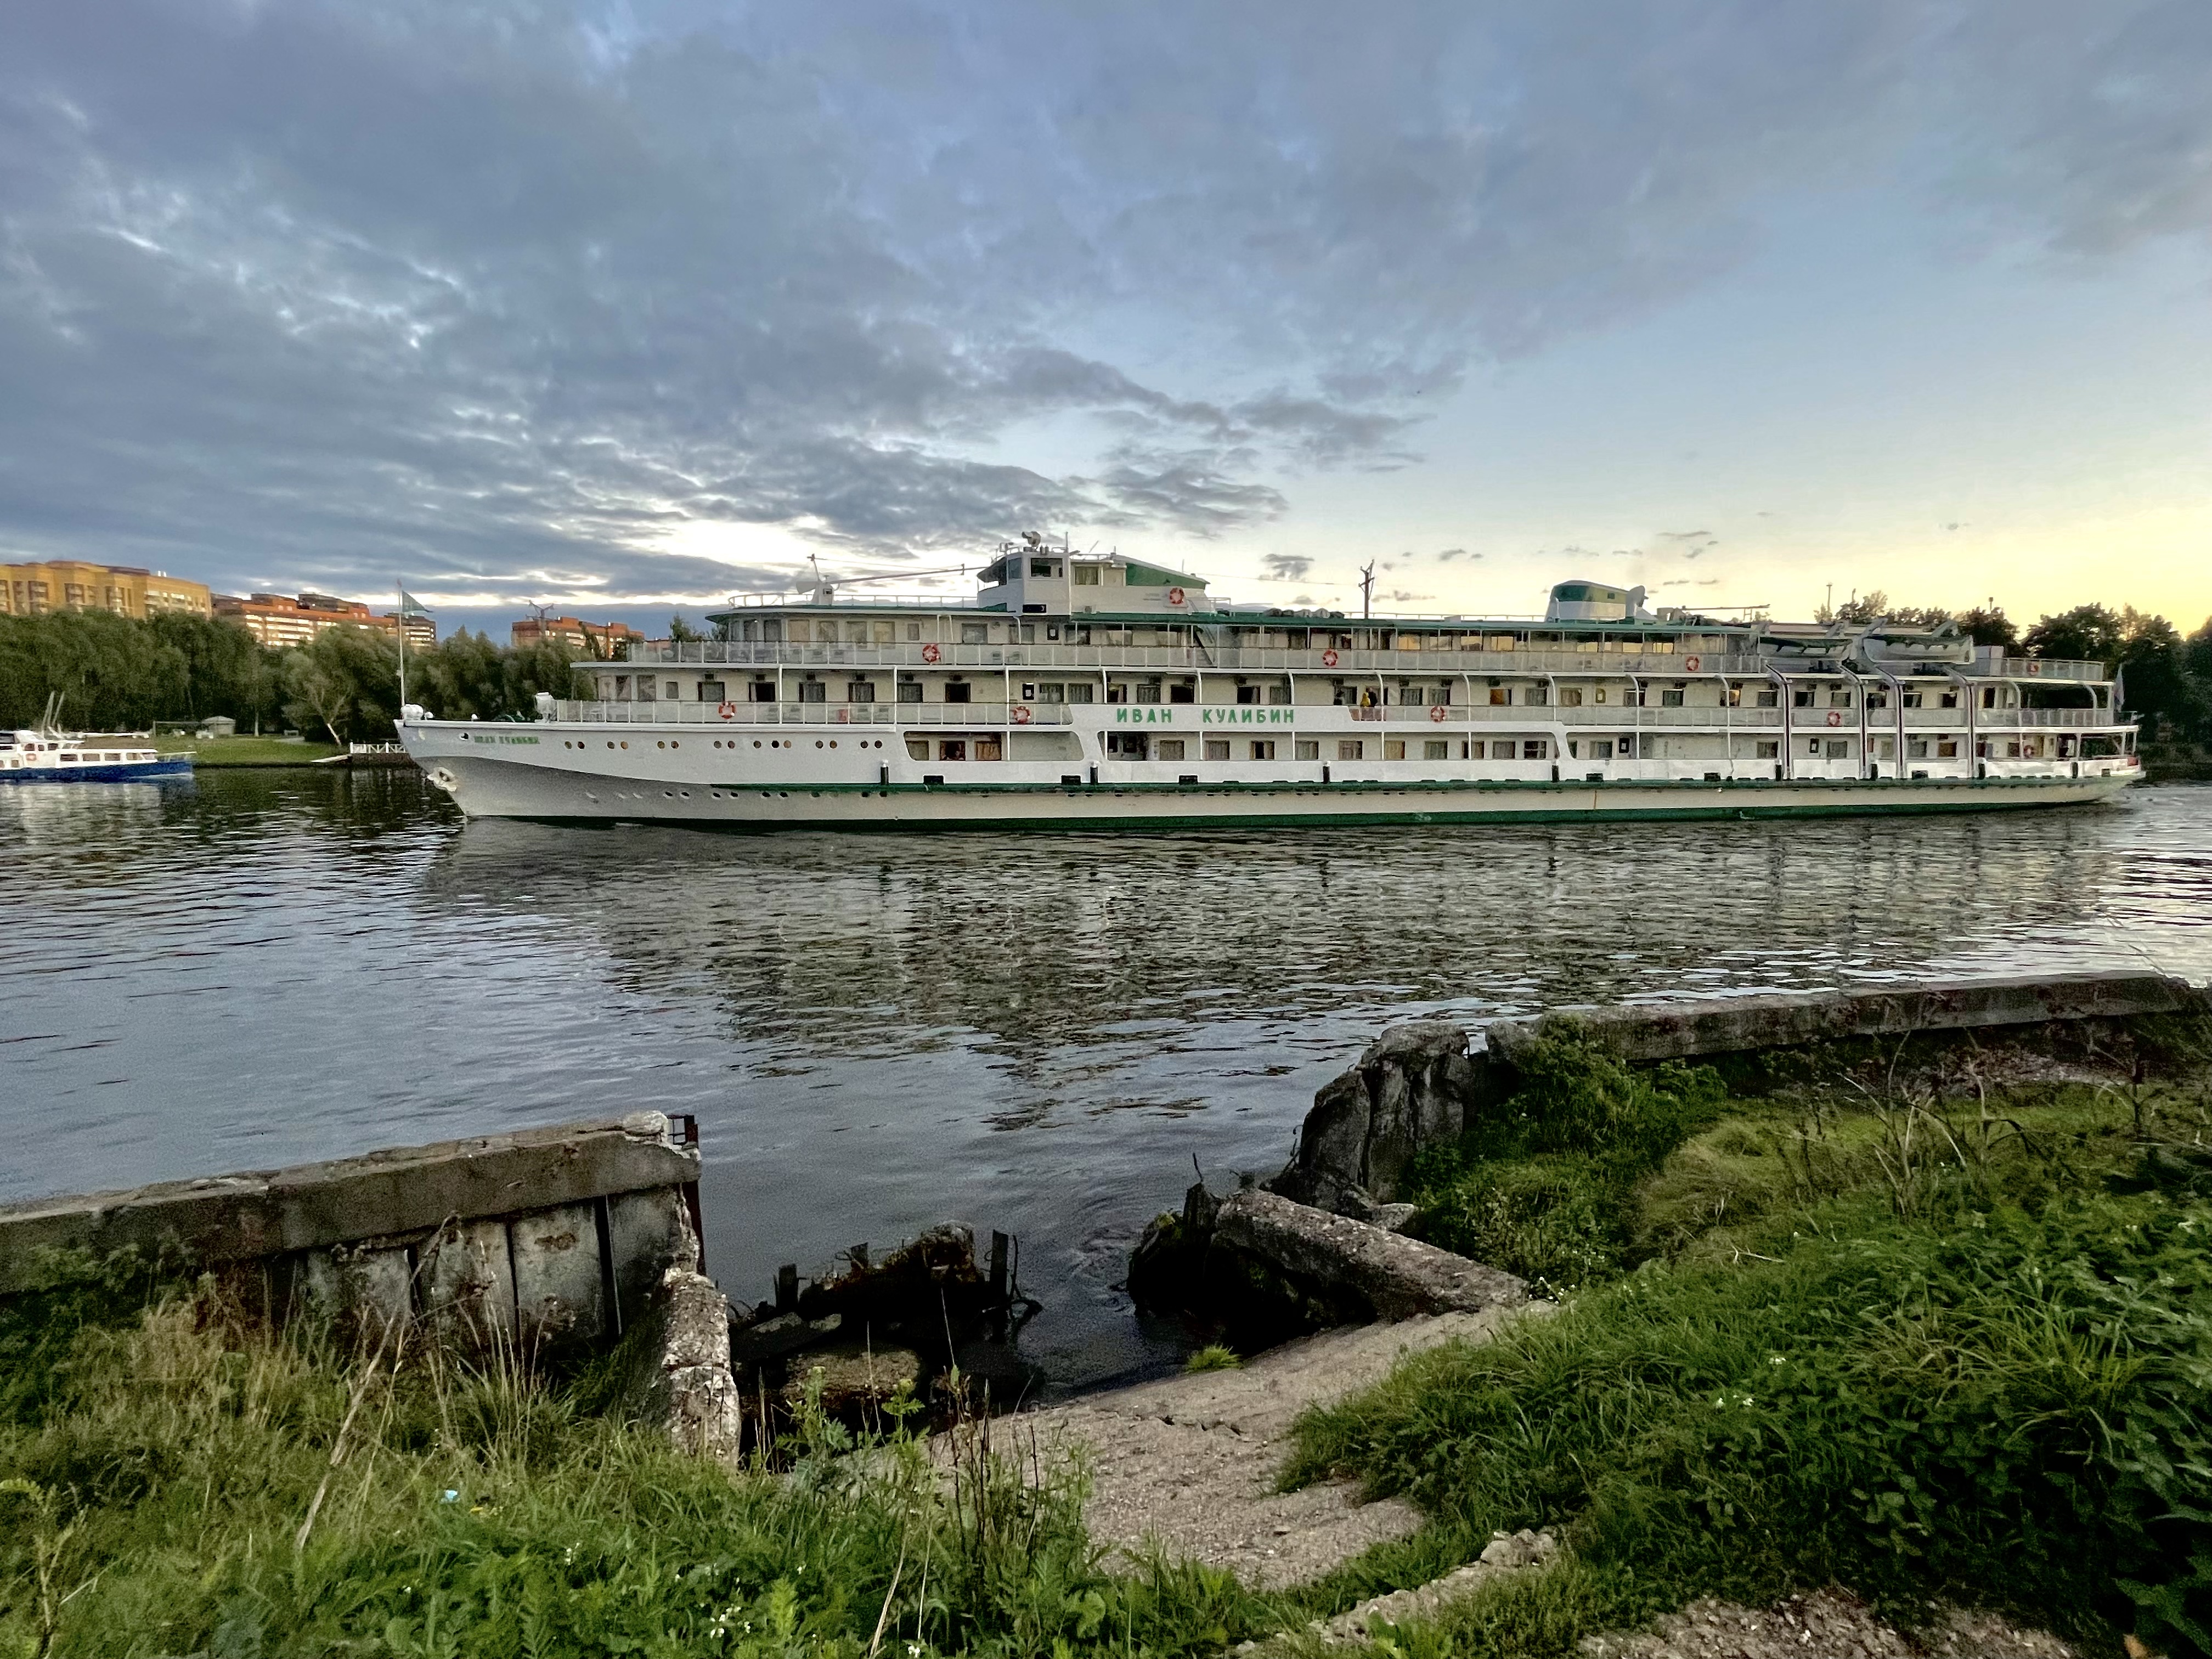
<point x="34" y="589"/>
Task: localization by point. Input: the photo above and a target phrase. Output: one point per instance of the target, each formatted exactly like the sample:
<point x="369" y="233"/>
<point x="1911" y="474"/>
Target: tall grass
<point x="186" y="1482"/>
<point x="1949" y="1348"/>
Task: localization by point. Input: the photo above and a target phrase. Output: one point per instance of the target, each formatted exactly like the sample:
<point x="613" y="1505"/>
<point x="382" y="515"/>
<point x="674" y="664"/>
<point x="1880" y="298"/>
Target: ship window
<point x="952" y="749"/>
<point x="1052" y="691"/>
<point x="1043" y="567"/>
<point x="1769" y="698"/>
<point x="1840" y="699"/>
<point x="1279" y="694"/>
<point x="1393" y="749"/>
<point x="1571" y="697"/>
<point x="1535" y="749"/>
<point x="1500" y="696"/>
<point x="1599" y="695"/>
<point x="1947" y="749"/>
<point x="1838" y="749"/>
<point x="1877" y="699"/>
<point x="988" y="749"/>
<point x="1126" y="745"/>
<point x="761" y="692"/>
<point x="712" y="691"/>
<point x="1948" y="700"/>
<point x="1348" y="748"/>
<point x="1182" y="694"/>
<point x="958" y="691"/>
<point x="1342" y="695"/>
<point x="1813" y="747"/>
<point x="1248" y="694"/>
<point x="1171" y="748"/>
<point x="622" y="687"/>
<point x="1600" y="749"/>
<point x="1307" y="749"/>
<point x="917" y="749"/>
<point x="1217" y="748"/>
<point x="860" y="691"/>
<point x="1436" y="749"/>
<point x="1670" y="699"/>
<point x="909" y="691"/>
<point x="913" y="630"/>
<point x="1412" y="697"/>
<point x="1263" y="749"/>
<point x="1801" y="698"/>
<point x="813" y="691"/>
<point x="1536" y="695"/>
<point x="1087" y="576"/>
<point x="1149" y="691"/>
<point x="885" y="632"/>
<point x="671" y="691"/>
<point x="1080" y="690"/>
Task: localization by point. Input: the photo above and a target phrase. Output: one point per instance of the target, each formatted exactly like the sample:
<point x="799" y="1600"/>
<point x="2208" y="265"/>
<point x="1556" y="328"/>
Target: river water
<point x="1036" y="1033"/>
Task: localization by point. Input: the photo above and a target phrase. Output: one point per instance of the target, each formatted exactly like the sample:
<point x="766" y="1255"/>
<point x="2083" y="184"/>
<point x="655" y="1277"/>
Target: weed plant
<point x="182" y="1481"/>
<point x="1915" y="1345"/>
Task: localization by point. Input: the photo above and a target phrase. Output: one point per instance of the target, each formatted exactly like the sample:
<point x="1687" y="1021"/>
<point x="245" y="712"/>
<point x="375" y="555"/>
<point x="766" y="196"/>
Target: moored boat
<point x="1106" y="692"/>
<point x="49" y="757"/>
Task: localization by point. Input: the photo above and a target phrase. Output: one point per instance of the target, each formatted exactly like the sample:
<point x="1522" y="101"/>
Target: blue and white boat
<point x="49" y="757"/>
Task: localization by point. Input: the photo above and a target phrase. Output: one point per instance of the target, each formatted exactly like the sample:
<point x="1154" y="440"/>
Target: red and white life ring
<point x="1022" y="716"/>
<point x="727" y="709"/>
<point x="1438" y="712"/>
<point x="1835" y="717"/>
<point x="1329" y="658"/>
<point x="2033" y="667"/>
<point x="929" y="654"/>
<point x="1691" y="663"/>
<point x="1175" y="596"/>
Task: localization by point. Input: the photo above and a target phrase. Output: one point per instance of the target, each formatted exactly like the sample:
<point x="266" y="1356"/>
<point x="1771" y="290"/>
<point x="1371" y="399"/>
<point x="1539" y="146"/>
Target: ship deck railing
<point x="1330" y="716"/>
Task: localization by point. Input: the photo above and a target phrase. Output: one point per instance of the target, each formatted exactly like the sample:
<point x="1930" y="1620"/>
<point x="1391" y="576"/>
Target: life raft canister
<point x="1437" y="713"/>
<point x="727" y="709"/>
<point x="929" y="654"/>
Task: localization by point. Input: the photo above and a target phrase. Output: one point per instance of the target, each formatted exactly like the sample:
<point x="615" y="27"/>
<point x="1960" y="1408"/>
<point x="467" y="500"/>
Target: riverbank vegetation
<point x="113" y="674"/>
<point x="1935" y="1337"/>
<point x="1924" y="1331"/>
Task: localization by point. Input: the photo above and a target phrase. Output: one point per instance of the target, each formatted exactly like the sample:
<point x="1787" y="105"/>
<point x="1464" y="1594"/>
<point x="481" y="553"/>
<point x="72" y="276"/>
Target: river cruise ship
<point x="49" y="756"/>
<point x="1108" y="693"/>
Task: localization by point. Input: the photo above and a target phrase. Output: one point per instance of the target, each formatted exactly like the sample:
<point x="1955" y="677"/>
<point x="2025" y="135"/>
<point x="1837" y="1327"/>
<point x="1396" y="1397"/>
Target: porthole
<point x="686" y="793"/>
<point x="611" y="742"/>
<point x="833" y="742"/>
<point x="756" y="743"/>
<point x="818" y="743"/>
<point x="659" y="744"/>
<point x="625" y="743"/>
<point x="668" y="794"/>
<point x="676" y="743"/>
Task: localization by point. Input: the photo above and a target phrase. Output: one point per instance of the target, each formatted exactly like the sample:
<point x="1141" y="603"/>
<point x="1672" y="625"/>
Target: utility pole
<point x="1367" y="591"/>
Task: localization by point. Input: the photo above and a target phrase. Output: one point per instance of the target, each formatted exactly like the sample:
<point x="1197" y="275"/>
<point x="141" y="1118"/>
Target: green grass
<point x="1214" y="1357"/>
<point x="248" y="752"/>
<point x="1917" y="1342"/>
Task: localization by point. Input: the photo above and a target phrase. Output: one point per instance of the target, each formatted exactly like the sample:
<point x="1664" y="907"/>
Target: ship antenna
<point x="1367" y="591"/>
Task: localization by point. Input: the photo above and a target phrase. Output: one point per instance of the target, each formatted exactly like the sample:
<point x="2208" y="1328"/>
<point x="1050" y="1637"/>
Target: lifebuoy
<point x="1175" y="596"/>
<point x="929" y="654"/>
<point x="1021" y="713"/>
<point x="1438" y="712"/>
<point x="1690" y="663"/>
<point x="1328" y="658"/>
<point x="2033" y="667"/>
<point x="728" y="709"/>
<point x="1835" y="717"/>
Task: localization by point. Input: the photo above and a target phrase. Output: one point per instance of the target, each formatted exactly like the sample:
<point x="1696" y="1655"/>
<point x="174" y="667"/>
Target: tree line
<point x="2166" y="676"/>
<point x="115" y="673"/>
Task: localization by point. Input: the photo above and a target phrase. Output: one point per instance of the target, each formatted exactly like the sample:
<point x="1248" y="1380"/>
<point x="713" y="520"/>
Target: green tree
<point x="1987" y="624"/>
<point x="2087" y="632"/>
<point x="682" y="632"/>
<point x="345" y="680"/>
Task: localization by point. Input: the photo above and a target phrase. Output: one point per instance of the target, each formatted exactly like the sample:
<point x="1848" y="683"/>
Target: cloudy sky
<point x="630" y="305"/>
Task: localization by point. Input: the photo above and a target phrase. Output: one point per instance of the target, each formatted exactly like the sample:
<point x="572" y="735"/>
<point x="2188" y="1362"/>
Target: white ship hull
<point x="684" y="773"/>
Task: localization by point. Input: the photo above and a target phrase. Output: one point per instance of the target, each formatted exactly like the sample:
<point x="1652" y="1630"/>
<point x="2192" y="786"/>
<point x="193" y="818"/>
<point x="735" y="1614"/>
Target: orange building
<point x="280" y="619"/>
<point x="600" y="641"/>
<point x="34" y="589"/>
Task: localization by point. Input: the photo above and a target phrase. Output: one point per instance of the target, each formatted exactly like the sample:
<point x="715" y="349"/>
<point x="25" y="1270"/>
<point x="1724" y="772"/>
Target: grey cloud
<point x="1286" y="567"/>
<point x="327" y="292"/>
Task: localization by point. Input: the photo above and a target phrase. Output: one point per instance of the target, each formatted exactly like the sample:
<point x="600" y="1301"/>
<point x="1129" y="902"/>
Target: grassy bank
<point x="1924" y="1336"/>
<point x="249" y="751"/>
<point x="1920" y="1339"/>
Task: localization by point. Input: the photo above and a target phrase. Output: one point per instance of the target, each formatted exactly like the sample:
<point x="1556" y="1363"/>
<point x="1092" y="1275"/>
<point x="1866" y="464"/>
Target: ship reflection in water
<point x="1037" y="1033"/>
